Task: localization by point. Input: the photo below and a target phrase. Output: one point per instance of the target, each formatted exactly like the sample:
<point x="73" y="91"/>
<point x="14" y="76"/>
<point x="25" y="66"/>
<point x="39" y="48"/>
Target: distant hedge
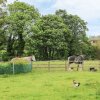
<point x="16" y="66"/>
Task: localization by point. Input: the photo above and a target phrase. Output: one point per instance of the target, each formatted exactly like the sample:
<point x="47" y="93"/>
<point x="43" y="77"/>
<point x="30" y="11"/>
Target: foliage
<point x="3" y="55"/>
<point x="78" y="28"/>
<point x="51" y="37"/>
<point x="3" y="14"/>
<point x="5" y="68"/>
<point x="18" y="28"/>
<point x="23" y="32"/>
<point x="97" y="53"/>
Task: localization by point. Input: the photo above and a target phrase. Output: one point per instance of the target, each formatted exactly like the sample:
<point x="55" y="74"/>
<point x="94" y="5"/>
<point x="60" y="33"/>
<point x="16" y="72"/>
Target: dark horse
<point x="76" y="59"/>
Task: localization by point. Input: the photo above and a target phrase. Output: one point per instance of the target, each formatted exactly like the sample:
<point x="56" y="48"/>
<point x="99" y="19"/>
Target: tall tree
<point x="78" y="29"/>
<point x="50" y="37"/>
<point x="21" y="16"/>
<point x="2" y="21"/>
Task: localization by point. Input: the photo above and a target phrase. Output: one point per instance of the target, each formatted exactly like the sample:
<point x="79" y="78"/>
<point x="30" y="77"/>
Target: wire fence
<point x="21" y="68"/>
<point x="15" y="68"/>
<point x="61" y="65"/>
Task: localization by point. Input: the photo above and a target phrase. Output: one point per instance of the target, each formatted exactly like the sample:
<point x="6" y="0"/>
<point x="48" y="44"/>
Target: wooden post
<point x="49" y="66"/>
<point x="65" y="65"/>
<point x="31" y="66"/>
<point x="13" y="68"/>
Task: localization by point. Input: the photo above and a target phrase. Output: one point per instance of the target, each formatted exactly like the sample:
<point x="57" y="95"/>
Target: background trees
<point x="2" y="21"/>
<point x="52" y="37"/>
<point x="78" y="29"/>
<point x="24" y="32"/>
<point x="3" y="14"/>
<point x="21" y="16"/>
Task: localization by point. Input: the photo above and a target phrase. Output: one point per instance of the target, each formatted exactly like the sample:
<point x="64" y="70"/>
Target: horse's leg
<point x="81" y="66"/>
<point x="77" y="67"/>
<point x="69" y="66"/>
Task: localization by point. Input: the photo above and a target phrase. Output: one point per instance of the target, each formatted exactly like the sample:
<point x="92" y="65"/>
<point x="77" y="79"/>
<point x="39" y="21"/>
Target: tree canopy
<point x="51" y="37"/>
<point x="23" y="31"/>
<point x="78" y="29"/>
<point x="21" y="16"/>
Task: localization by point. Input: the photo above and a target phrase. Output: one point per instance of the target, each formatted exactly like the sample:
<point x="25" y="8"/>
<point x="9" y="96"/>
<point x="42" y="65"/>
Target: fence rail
<point x="64" y="64"/>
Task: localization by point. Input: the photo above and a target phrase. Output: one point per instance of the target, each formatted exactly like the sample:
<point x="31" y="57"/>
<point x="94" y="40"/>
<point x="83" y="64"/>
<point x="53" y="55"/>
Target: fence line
<point x="63" y="65"/>
<point x="29" y="67"/>
<point x="48" y="65"/>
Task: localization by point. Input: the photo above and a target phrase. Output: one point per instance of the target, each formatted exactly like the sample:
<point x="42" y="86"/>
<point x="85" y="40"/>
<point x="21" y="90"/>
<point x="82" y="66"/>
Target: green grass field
<point x="55" y="85"/>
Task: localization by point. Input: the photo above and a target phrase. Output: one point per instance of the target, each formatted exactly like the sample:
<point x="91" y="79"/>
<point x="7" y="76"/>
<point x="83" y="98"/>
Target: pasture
<point x="54" y="85"/>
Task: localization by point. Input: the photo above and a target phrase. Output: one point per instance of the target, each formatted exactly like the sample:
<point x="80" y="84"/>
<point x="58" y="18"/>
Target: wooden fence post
<point x="31" y="65"/>
<point x="65" y="65"/>
<point x="13" y="68"/>
<point x="49" y="66"/>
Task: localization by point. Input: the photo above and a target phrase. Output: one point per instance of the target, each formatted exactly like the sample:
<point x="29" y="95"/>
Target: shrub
<point x="6" y="68"/>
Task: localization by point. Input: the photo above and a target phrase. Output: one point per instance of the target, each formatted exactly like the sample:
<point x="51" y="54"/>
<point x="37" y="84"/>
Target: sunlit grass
<point x="44" y="85"/>
<point x="54" y="85"/>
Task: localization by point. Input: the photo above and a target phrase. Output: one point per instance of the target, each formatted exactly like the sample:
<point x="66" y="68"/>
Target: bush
<point x="20" y="66"/>
<point x="3" y="55"/>
<point x="6" y="68"/>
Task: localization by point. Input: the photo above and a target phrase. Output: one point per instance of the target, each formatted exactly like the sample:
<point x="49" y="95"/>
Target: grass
<point x="55" y="85"/>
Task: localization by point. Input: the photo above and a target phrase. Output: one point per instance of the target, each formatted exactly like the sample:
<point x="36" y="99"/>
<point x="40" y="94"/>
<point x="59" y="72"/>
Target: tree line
<point x="24" y="31"/>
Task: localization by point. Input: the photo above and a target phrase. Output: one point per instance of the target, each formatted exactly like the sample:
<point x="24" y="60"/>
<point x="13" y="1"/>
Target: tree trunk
<point x="21" y="45"/>
<point x="10" y="42"/>
<point x="45" y="53"/>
